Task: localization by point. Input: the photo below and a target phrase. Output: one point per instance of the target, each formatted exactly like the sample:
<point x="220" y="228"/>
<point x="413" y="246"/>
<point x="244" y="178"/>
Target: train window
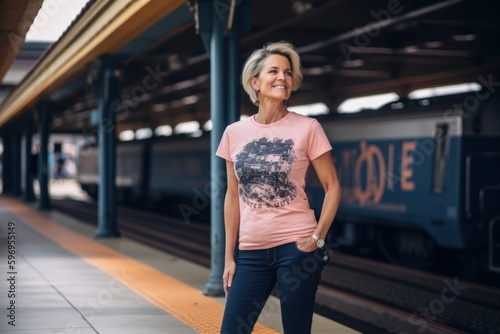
<point x="441" y="142"/>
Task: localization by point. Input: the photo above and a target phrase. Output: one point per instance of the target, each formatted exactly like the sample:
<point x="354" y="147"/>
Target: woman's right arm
<point x="232" y="224"/>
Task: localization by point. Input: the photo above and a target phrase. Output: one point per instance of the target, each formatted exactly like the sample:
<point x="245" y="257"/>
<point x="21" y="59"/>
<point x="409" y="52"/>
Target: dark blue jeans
<point x="257" y="271"/>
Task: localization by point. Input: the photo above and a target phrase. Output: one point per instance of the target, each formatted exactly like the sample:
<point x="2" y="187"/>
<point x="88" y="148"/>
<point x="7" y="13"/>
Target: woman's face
<point x="275" y="79"/>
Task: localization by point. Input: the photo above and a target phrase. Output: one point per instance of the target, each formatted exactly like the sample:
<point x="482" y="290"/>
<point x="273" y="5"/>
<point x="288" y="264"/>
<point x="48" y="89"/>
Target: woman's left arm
<point x="327" y="174"/>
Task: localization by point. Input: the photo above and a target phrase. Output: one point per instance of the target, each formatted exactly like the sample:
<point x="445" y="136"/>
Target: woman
<point x="266" y="209"/>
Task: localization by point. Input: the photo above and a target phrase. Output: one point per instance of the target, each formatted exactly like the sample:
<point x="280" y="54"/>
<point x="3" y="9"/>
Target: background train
<point x="420" y="179"/>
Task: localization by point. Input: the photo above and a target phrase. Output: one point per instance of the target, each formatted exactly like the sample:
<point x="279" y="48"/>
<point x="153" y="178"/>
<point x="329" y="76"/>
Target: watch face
<point x="320" y="243"/>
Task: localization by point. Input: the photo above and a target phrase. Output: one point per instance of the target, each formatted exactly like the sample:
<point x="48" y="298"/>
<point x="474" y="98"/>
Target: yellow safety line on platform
<point x="184" y="302"/>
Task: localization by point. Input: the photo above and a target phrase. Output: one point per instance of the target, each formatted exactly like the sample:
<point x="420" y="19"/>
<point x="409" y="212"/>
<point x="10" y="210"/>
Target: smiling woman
<point x="266" y="210"/>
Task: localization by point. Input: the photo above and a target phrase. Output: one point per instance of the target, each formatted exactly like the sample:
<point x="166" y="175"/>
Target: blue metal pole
<point x="28" y="193"/>
<point x="43" y="156"/>
<point x="16" y="163"/>
<point x="106" y="93"/>
<point x="6" y="158"/>
<point x="234" y="70"/>
<point x="214" y="286"/>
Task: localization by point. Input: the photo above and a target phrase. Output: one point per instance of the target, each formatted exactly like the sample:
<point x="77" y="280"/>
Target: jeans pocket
<point x="301" y="251"/>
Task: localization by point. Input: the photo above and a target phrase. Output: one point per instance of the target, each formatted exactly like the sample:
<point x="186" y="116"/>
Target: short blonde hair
<point x="253" y="66"/>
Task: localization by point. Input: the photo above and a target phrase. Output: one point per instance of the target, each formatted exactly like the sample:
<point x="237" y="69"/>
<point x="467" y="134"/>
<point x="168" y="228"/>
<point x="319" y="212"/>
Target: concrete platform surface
<point x="65" y="281"/>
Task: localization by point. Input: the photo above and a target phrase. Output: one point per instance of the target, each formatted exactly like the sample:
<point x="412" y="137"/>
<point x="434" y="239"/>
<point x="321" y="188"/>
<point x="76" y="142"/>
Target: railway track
<point x="167" y="234"/>
<point x="409" y="300"/>
<point x="367" y="295"/>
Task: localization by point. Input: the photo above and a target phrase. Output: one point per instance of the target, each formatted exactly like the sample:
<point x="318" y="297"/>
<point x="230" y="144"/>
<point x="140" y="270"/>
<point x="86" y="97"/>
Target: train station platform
<point x="57" y="278"/>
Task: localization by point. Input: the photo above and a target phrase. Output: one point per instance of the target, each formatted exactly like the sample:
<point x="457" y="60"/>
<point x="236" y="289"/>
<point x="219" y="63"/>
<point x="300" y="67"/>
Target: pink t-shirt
<point x="271" y="161"/>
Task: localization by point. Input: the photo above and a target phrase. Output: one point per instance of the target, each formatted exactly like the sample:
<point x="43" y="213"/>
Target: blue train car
<point x="130" y="170"/>
<point x="167" y="174"/>
<point x="419" y="177"/>
<point x="179" y="177"/>
<point x="179" y="167"/>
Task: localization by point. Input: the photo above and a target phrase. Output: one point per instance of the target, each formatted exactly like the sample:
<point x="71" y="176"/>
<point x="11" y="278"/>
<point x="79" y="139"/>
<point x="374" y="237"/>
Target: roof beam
<point x="376" y="26"/>
<point x="414" y="82"/>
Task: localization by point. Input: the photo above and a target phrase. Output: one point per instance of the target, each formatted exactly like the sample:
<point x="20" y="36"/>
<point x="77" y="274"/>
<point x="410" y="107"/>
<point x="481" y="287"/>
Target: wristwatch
<point x="319" y="242"/>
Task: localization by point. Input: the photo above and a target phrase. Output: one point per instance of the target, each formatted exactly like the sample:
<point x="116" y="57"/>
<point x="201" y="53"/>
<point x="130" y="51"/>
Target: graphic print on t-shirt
<point x="263" y="168"/>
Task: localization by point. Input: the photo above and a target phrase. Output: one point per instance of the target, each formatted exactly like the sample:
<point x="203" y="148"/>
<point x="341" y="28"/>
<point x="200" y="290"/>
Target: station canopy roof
<point x="347" y="48"/>
<point x="16" y="17"/>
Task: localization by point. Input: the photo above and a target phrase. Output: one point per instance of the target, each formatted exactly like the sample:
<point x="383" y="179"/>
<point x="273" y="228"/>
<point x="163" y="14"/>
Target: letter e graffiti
<point x="406" y="162"/>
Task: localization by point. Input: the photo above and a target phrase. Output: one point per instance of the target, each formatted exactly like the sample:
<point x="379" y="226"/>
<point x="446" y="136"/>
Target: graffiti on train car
<point x="368" y="170"/>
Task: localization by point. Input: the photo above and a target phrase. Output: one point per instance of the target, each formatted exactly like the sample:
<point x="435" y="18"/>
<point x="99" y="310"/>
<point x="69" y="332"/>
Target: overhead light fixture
<point x="464" y="37"/>
<point x="373" y="102"/>
<point x="355" y="62"/>
<point x="126" y="135"/>
<point x="433" y="44"/>
<point x="312" y="71"/>
<point x="311" y="109"/>
<point x="187" y="127"/>
<point x="317" y="70"/>
<point x="411" y="49"/>
<point x="159" y="107"/>
<point x="143" y="133"/>
<point x="163" y="130"/>
<point x="301" y="6"/>
<point x="174" y="62"/>
<point x="208" y="125"/>
<point x="445" y="90"/>
<point x="191" y="99"/>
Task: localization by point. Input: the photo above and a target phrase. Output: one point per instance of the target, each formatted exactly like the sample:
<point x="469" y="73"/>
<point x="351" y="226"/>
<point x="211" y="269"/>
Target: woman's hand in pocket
<point x="306" y="244"/>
